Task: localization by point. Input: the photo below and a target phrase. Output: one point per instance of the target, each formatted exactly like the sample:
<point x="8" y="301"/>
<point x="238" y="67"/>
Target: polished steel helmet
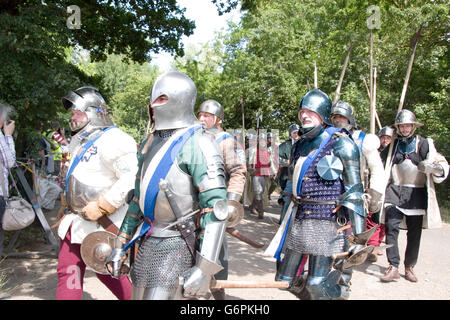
<point x="178" y="111"/>
<point x="343" y="109"/>
<point x="319" y="102"/>
<point x="292" y="128"/>
<point x="406" y="117"/>
<point x="213" y="107"/>
<point x="90" y="101"/>
<point x="386" y="131"/>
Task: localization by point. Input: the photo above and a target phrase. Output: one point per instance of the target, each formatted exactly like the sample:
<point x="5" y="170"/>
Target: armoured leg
<point x="219" y="294"/>
<point x="288" y="267"/>
<point x="320" y="281"/>
<point x="158" y="293"/>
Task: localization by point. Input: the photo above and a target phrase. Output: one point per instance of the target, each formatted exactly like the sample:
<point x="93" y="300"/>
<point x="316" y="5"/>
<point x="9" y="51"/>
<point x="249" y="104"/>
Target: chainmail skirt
<point x="160" y="261"/>
<point x="315" y="237"/>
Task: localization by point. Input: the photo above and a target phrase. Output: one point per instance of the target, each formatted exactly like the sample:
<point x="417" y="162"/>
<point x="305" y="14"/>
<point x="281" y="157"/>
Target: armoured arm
<point x="207" y="170"/>
<point x="347" y="151"/>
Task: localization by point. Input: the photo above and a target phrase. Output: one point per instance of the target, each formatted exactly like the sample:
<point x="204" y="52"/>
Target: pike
<point x="341" y="78"/>
<point x="232" y="284"/>
<point x="316" y="85"/>
<point x="368" y="94"/>
<point x="243" y="122"/>
<point x="371" y="98"/>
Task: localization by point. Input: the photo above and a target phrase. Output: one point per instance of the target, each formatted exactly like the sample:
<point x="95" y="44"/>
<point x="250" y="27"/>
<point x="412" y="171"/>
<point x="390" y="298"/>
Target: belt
<point x="105" y="222"/>
<point x="298" y="200"/>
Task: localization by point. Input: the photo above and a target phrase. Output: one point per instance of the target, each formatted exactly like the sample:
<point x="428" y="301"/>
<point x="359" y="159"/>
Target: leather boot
<point x="391" y="274"/>
<point x="260" y="209"/>
<point x="253" y="209"/>
<point x="409" y="274"/>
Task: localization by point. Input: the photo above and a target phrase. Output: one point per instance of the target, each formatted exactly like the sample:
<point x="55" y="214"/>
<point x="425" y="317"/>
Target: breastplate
<point x="407" y="174"/>
<point x="181" y="184"/>
<point x="78" y="194"/>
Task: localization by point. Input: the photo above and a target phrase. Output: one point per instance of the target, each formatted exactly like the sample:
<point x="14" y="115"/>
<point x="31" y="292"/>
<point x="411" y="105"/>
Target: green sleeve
<point x="192" y="161"/>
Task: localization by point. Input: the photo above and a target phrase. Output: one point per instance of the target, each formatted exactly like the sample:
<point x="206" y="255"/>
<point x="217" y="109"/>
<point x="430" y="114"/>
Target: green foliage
<point x="126" y="87"/>
<point x="38" y="61"/>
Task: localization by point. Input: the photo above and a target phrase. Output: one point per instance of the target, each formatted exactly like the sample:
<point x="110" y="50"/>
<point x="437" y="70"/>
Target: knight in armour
<point x="372" y="172"/>
<point x="410" y="196"/>
<point x="326" y="215"/>
<point x="178" y="212"/>
<point x="101" y="172"/>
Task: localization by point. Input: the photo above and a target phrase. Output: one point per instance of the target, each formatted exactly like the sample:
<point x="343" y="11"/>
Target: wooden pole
<point x="316" y="85"/>
<point x="376" y="113"/>
<point x="243" y="123"/>
<point x="341" y="78"/>
<point x="374" y="99"/>
<point x="371" y="106"/>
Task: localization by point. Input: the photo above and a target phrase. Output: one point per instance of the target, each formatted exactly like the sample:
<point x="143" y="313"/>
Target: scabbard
<point x="222" y="284"/>
<point x="187" y="230"/>
<point x="235" y="233"/>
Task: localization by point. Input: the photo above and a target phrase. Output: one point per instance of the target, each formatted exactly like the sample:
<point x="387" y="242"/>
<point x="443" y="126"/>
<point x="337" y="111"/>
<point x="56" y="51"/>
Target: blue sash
<point x="80" y="155"/>
<point x="160" y="173"/>
<point x="226" y="135"/>
<point x="305" y="166"/>
<point x="361" y="137"/>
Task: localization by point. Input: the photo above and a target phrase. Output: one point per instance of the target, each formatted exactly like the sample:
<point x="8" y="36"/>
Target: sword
<point x="185" y="225"/>
<point x="181" y="220"/>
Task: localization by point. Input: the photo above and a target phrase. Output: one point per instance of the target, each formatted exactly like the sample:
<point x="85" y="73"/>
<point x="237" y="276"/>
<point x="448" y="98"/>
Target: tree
<point x="39" y="65"/>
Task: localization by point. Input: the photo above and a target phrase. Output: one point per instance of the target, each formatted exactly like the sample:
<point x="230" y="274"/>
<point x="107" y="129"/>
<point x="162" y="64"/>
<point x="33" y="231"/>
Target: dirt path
<point x="35" y="279"/>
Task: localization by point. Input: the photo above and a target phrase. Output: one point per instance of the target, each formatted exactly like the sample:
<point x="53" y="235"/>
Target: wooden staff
<point x="374" y="100"/>
<point x="368" y="94"/>
<point x="219" y="284"/>
<point x="341" y="78"/>
<point x="315" y="75"/>
<point x="371" y="97"/>
<point x="243" y="123"/>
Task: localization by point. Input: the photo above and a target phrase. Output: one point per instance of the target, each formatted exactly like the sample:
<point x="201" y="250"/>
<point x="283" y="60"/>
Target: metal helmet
<point x="292" y="128"/>
<point x="319" y="102"/>
<point x="406" y="117"/>
<point x="90" y="101"/>
<point x="386" y="131"/>
<point x="344" y="109"/>
<point x="178" y="111"/>
<point x="213" y="107"/>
